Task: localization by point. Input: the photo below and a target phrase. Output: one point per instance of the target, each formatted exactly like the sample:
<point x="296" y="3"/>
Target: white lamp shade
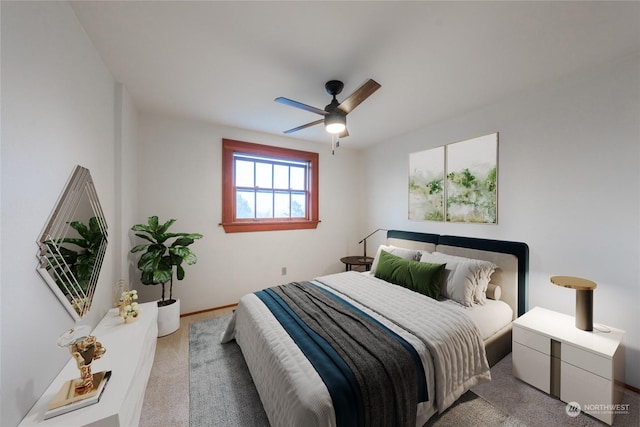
<point x="335" y="122"/>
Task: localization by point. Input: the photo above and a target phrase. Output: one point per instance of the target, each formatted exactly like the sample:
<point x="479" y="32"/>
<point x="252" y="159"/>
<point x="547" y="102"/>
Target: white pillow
<point x="476" y="271"/>
<point x="405" y="253"/>
<point x="454" y="284"/>
<point x="494" y="292"/>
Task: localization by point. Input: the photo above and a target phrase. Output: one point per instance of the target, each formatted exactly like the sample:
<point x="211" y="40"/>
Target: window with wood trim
<point x="268" y="188"/>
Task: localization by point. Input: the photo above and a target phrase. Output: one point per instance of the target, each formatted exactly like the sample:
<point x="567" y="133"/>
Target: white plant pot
<point x="168" y="318"/>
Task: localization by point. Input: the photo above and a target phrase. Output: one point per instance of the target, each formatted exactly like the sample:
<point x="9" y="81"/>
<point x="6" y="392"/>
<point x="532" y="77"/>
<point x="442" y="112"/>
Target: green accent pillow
<point x="422" y="277"/>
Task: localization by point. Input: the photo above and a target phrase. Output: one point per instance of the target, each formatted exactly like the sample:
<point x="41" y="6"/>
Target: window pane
<point x="297" y="178"/>
<point x="282" y="205"/>
<point x="264" y="175"/>
<point x="281" y="177"/>
<point x="264" y="205"/>
<point x="268" y="188"/>
<point x="244" y="173"/>
<point x="245" y="204"/>
<point x="298" y="205"/>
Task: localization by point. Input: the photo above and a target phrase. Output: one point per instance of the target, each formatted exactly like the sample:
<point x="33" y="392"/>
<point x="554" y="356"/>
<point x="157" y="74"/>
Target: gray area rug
<point x="472" y="410"/>
<point x="222" y="392"/>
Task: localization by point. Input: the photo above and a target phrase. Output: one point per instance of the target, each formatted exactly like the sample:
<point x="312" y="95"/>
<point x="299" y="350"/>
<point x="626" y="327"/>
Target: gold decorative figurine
<point x="84" y="349"/>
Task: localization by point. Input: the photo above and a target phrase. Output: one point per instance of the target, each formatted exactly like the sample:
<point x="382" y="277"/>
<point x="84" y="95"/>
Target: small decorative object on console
<point x="85" y="349"/>
<point x="118" y="289"/>
<point x="129" y="309"/>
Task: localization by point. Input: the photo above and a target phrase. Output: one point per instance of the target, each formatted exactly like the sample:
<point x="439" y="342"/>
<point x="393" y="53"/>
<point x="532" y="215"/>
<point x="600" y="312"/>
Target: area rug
<point x="472" y="410"/>
<point x="222" y="392"/>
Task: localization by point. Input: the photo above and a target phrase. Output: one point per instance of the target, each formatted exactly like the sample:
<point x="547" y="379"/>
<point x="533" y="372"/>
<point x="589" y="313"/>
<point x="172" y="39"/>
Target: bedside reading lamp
<point x="584" y="298"/>
<point x="365" y="242"/>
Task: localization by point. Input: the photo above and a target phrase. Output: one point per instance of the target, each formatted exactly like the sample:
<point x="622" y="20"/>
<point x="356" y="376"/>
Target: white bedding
<point x="293" y="393"/>
<point x="490" y="317"/>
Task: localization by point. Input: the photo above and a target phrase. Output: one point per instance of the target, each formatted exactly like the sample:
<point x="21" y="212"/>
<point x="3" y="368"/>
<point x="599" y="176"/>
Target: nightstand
<point x="551" y="354"/>
<point x="350" y="261"/>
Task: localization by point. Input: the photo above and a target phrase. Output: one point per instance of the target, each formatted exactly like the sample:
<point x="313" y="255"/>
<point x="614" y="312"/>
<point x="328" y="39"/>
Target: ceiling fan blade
<point x="292" y="103"/>
<point x="362" y="93"/>
<point x="317" y="122"/>
<point x="344" y="133"/>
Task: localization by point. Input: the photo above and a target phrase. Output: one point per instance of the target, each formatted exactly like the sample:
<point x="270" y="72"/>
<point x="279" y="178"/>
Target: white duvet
<point x="293" y="394"/>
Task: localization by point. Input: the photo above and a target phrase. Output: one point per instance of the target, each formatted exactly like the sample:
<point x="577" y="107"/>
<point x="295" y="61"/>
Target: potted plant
<point x="161" y="256"/>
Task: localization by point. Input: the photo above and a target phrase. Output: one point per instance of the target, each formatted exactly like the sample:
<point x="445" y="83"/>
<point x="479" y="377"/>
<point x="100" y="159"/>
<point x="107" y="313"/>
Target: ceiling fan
<point x="335" y="113"/>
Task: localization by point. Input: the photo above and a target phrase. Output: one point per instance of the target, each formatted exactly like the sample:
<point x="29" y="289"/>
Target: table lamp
<point x="584" y="298"/>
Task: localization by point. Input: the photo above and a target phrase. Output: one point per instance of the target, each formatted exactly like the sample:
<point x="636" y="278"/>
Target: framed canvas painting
<point x="472" y="180"/>
<point x="426" y="185"/>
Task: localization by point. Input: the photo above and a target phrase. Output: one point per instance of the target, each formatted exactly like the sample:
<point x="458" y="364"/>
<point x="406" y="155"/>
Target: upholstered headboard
<point x="512" y="259"/>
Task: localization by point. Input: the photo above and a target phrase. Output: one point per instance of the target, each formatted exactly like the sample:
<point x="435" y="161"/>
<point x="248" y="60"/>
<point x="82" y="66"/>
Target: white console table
<point x="130" y="351"/>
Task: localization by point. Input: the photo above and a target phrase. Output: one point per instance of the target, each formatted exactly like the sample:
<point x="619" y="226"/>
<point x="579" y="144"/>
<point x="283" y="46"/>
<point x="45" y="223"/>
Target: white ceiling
<point x="225" y="62"/>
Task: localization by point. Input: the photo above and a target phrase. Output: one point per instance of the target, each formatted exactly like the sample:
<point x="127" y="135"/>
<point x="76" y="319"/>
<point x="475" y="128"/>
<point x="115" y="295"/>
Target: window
<point x="268" y="188"/>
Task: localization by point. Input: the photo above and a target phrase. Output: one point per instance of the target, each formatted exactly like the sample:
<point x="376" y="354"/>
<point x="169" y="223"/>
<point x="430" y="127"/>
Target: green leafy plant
<point x="164" y="253"/>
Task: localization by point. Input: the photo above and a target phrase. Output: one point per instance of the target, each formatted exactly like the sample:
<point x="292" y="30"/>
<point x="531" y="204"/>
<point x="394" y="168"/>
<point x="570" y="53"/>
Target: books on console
<point x="66" y="400"/>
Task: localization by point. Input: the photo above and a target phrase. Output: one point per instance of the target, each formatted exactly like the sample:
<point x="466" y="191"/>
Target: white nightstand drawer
<point x="550" y="353"/>
<point x="531" y="366"/>
<point x="531" y="339"/>
<point x="589" y="390"/>
<point x="588" y="361"/>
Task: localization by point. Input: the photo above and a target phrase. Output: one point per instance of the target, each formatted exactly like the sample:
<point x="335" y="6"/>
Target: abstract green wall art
<point x="457" y="182"/>
<point x="472" y="180"/>
<point x="426" y="185"/>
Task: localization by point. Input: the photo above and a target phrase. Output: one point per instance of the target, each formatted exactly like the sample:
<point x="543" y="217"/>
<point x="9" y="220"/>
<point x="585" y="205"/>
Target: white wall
<point x="569" y="186"/>
<point x="126" y="178"/>
<point x="58" y="110"/>
<point x="179" y="170"/>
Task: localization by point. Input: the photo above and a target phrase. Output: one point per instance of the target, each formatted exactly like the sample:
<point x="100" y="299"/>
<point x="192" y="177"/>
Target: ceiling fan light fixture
<point x="335" y="122"/>
<point x="334" y="114"/>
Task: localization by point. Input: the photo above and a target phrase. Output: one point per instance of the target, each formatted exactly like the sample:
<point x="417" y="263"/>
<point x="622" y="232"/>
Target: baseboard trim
<point x="208" y="310"/>
<point x="632" y="388"/>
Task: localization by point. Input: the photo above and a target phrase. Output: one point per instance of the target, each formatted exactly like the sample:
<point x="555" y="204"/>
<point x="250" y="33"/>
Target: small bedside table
<point x="350" y="261"/>
<point x="551" y="354"/>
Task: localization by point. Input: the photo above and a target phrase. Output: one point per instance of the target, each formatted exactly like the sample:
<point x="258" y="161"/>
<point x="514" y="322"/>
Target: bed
<point x="314" y="371"/>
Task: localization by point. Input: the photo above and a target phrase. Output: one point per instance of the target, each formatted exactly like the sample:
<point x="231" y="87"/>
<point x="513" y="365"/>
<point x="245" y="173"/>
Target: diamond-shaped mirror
<point x="73" y="244"/>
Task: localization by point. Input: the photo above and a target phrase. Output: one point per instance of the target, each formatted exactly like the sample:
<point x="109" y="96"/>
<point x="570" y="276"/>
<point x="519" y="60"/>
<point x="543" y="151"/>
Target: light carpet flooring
<point x="166" y="401"/>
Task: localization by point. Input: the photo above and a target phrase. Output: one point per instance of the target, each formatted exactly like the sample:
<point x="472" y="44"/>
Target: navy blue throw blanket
<point x="374" y="376"/>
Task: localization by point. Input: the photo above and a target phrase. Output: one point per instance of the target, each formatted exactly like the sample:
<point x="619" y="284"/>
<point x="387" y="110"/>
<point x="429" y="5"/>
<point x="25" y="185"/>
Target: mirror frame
<point x="59" y="242"/>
